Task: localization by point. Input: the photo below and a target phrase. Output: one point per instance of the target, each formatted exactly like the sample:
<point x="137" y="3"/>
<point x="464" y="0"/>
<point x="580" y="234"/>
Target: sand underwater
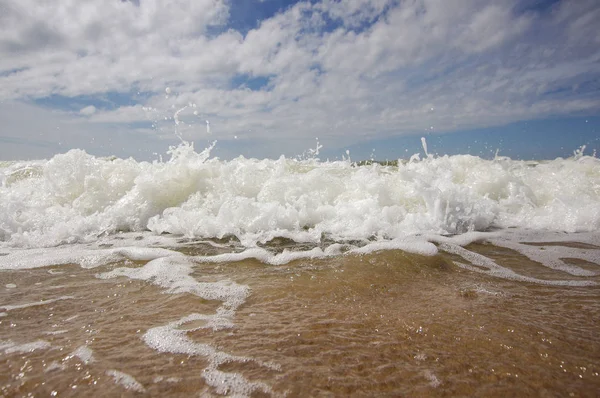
<point x="442" y="276"/>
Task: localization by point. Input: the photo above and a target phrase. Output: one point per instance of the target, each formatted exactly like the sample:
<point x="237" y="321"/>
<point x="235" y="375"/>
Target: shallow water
<point x="386" y="323"/>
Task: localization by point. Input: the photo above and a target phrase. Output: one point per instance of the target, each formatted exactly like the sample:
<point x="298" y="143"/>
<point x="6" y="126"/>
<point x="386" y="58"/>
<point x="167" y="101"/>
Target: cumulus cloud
<point x="355" y="69"/>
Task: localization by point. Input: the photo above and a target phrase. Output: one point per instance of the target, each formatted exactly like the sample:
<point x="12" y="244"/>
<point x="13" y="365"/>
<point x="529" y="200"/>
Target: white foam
<point x="432" y="378"/>
<point x="412" y="246"/>
<point x="159" y="379"/>
<point x="264" y="256"/>
<point x="55" y="366"/>
<point x="56" y="332"/>
<point x="35" y="303"/>
<point x="286" y="256"/>
<point x="126" y="380"/>
<point x="6" y="344"/>
<point x="79" y="254"/>
<point x="171" y="339"/>
<point x="85" y="354"/>
<point x="78" y="198"/>
<point x="493" y="269"/>
<point x="10" y="348"/>
<point x="173" y="274"/>
<point x="463" y="239"/>
<point x="551" y="256"/>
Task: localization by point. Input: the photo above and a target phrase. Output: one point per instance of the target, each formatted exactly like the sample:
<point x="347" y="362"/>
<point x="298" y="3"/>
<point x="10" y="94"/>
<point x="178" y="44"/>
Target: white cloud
<point x="355" y="69"/>
<point x="88" y="110"/>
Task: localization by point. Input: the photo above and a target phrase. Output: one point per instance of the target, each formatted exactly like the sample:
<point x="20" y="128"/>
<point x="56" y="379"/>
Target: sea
<point x="195" y="276"/>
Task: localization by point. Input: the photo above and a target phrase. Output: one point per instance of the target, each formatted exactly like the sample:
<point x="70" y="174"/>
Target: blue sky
<point x="131" y="78"/>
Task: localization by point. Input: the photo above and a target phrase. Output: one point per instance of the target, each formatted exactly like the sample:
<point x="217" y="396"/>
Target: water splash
<point x="424" y="145"/>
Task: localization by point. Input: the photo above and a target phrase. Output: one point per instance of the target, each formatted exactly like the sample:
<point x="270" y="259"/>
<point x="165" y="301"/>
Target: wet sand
<point x="381" y="324"/>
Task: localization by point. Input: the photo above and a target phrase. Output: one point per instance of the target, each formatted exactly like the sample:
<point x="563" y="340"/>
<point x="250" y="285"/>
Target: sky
<point x="264" y="78"/>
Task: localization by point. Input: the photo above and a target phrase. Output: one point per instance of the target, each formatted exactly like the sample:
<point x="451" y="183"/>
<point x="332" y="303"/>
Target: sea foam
<point x="76" y="197"/>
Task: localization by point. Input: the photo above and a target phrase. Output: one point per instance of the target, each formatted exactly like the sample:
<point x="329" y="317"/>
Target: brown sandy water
<point x="382" y="324"/>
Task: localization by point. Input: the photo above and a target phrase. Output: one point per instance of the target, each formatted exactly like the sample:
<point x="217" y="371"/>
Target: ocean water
<point x="436" y="276"/>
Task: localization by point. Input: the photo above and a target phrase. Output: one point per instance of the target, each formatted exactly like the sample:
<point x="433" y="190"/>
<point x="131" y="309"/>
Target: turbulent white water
<point x="76" y="197"/>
